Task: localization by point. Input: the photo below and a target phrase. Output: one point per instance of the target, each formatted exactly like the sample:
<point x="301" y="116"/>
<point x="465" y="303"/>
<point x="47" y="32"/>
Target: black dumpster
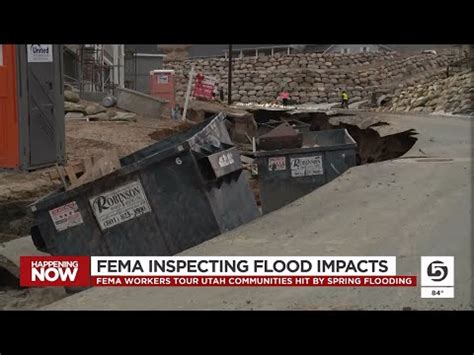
<point x="287" y="174"/>
<point x="165" y="198"/>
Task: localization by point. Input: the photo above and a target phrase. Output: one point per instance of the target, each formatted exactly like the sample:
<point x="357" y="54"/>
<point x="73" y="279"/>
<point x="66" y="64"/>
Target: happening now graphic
<point x="198" y="271"/>
<point x="437" y="277"/>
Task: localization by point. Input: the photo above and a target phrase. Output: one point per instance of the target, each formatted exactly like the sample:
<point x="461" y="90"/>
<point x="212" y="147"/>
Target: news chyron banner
<point x="203" y="271"/>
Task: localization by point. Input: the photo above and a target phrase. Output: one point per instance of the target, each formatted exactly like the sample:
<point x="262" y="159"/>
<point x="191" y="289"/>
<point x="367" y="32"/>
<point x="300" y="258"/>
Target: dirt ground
<point x="18" y="189"/>
<point x="84" y="139"/>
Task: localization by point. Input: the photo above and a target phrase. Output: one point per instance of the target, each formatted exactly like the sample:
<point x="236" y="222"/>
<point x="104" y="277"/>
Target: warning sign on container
<point x="276" y="163"/>
<point x="306" y="166"/>
<point x="122" y="204"/>
<point x="163" y="79"/>
<point x="66" y="216"/>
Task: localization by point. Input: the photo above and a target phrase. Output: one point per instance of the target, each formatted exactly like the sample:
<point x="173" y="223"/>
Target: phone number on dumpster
<point x="122" y="204"/>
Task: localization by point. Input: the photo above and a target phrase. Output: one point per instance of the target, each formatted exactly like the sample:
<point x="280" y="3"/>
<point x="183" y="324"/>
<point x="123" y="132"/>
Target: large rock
<point x="467" y="103"/>
<point x="433" y="102"/>
<point x="71" y="96"/>
<point x="94" y="109"/>
<point x="123" y="116"/>
<point x="74" y="107"/>
<point x="74" y="115"/>
<point x="420" y="101"/>
<point x="464" y="109"/>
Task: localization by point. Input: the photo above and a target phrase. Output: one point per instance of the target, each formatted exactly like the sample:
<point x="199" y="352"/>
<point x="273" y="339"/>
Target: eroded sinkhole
<point x="372" y="147"/>
<point x="15" y="219"/>
<point x="8" y="280"/>
<point x="375" y="143"/>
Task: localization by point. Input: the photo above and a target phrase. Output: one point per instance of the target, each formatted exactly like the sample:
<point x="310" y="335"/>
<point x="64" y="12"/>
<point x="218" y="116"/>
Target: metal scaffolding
<point x="96" y="72"/>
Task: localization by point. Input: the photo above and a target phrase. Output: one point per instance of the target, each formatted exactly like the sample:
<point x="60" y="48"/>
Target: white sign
<point x="66" y="216"/>
<point x="306" y="166"/>
<point x="437" y="271"/>
<point x="40" y="53"/>
<point x="122" y="204"/>
<point x="163" y="79"/>
<point x="225" y="159"/>
<point x="276" y="163"/>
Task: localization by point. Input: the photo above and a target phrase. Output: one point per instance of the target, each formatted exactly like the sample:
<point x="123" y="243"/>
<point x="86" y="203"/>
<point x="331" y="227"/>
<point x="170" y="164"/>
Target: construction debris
<point x="206" y="109"/>
<point x="89" y="169"/>
<point x="109" y="101"/>
<point x="77" y="109"/>
<point x="139" y="103"/>
<point x="244" y="128"/>
<point x="283" y="136"/>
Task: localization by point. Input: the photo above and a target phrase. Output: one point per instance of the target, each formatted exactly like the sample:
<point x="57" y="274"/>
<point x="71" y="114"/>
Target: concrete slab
<point x="13" y="249"/>
<point x="139" y="103"/>
<point x="93" y="96"/>
<point x="24" y="298"/>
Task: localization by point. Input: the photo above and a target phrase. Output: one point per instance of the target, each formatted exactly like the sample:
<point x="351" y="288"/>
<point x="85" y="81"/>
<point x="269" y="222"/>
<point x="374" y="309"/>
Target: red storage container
<point x="162" y="86"/>
<point x="9" y="138"/>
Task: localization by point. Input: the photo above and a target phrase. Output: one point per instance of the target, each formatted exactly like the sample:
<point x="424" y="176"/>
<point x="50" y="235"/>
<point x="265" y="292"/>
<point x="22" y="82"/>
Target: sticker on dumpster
<point x="163" y="79"/>
<point x="276" y="163"/>
<point x="66" y="216"/>
<point x="306" y="166"/>
<point x="40" y="53"/>
<point x="225" y="159"/>
<point x="122" y="204"/>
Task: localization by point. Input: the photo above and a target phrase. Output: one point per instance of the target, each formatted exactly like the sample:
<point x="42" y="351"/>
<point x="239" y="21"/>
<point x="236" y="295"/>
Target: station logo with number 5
<point x="437" y="271"/>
